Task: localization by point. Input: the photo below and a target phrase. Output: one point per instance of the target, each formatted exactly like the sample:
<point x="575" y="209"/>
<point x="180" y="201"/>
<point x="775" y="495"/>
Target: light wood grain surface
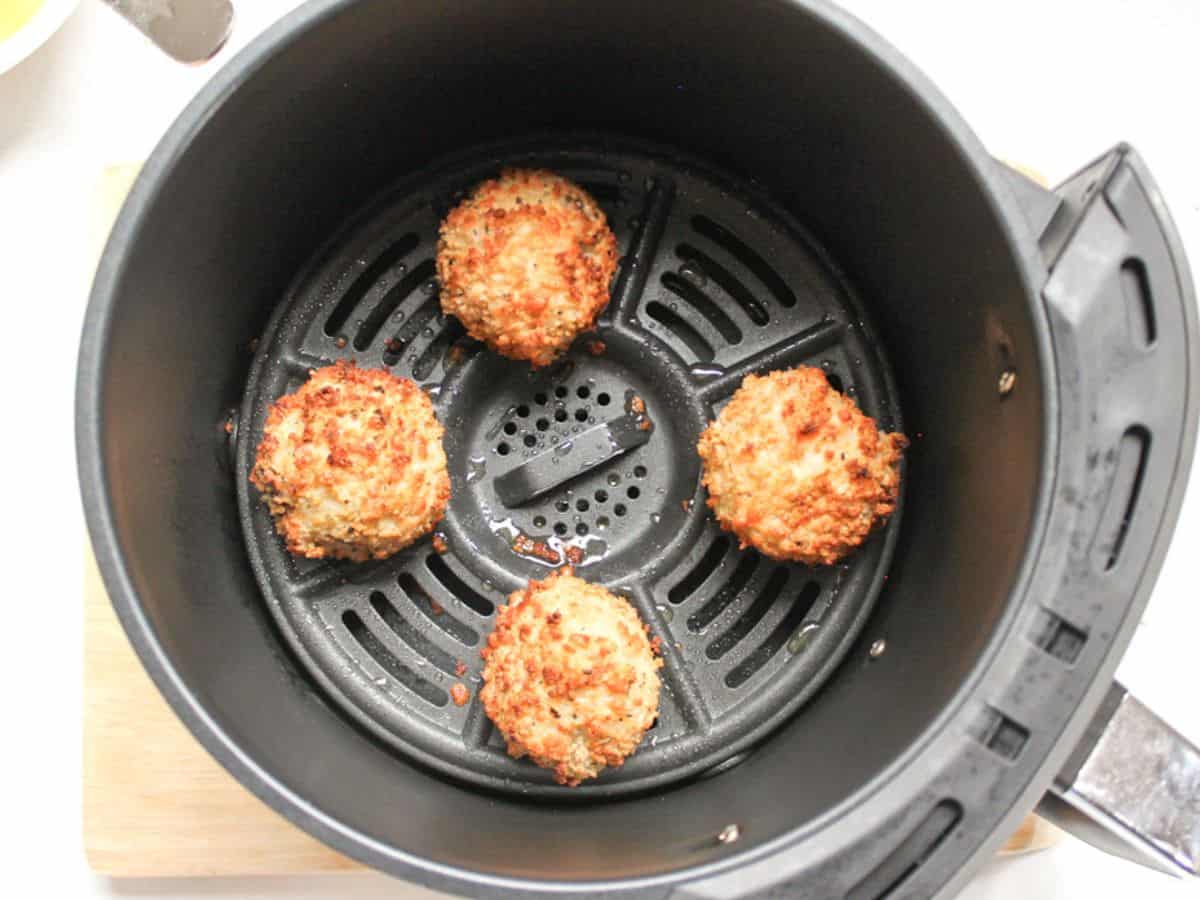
<point x="155" y="803"/>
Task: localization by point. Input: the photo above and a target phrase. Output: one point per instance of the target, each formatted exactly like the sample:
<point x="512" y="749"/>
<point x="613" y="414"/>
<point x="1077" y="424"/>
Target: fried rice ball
<point x="571" y="678"/>
<point x="351" y="464"/>
<point x="525" y="263"/>
<point x="795" y="470"/>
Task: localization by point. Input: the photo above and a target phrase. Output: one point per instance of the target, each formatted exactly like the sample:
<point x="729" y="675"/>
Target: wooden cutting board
<point x="154" y="802"/>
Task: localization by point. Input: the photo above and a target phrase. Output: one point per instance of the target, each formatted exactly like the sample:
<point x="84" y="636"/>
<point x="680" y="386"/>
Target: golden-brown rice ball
<point x="351" y="464"/>
<point x="795" y="470"/>
<point x="525" y="263"/>
<point x="571" y="677"/>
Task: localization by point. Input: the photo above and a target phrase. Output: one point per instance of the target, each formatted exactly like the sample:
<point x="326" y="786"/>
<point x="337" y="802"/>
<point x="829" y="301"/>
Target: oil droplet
<point x="427" y="332"/>
<point x="430" y="286"/>
<point x="655" y="518"/>
<point x="476" y="468"/>
<point x="564" y="447"/>
<point x="399" y="316"/>
<point x="706" y="371"/>
<point x="667" y="614"/>
<point x="694" y="274"/>
<point x="803" y="637"/>
<point x="381" y="681"/>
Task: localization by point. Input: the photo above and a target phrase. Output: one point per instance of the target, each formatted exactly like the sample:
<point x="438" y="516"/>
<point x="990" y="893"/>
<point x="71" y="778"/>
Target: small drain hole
<point x="409" y="634"/>
<point x="726" y="595"/>
<point x="742" y="673"/>
<point x="601" y="496"/>
<point x="539" y="521"/>
<point x="619" y="509"/>
<point x="581" y="414"/>
<point x="633" y="493"/>
<point x="581" y="529"/>
<point x="510" y="428"/>
<point x="560" y="392"/>
<point x="540" y="399"/>
<point x="700" y="572"/>
<point x="543" y="424"/>
<point x="562" y="505"/>
<point x="530" y="440"/>
<point x="603" y="399"/>
<point x="560" y="528"/>
<point x="455" y="585"/>
<point x="560" y="415"/>
<point x="640" y="472"/>
<point x="581" y="505"/>
<point x="522" y="410"/>
<point x="428" y="692"/>
<point x="503" y="449"/>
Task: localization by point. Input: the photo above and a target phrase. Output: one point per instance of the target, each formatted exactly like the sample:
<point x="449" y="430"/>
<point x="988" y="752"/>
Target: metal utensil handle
<point x="1132" y="788"/>
<point x="190" y="31"/>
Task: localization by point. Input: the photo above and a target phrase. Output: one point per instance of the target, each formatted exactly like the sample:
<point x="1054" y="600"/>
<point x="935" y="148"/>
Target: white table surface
<point x="1048" y="82"/>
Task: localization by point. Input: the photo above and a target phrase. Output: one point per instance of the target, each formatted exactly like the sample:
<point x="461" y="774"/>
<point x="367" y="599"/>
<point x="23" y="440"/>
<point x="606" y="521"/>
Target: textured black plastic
<point x="590" y="461"/>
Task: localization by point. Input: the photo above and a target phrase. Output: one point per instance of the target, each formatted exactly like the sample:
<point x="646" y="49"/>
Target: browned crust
<point x="351" y="464"/>
<point x="570" y="678"/>
<point x="525" y="263"/>
<point x="795" y="470"/>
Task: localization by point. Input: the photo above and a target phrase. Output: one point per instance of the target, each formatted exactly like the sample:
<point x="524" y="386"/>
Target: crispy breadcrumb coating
<point x="795" y="470"/>
<point x="525" y="263"/>
<point x="351" y="464"/>
<point x="571" y="677"/>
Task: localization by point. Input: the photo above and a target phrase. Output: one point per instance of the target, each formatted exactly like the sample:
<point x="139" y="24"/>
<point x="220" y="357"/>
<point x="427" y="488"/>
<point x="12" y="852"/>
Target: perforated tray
<point x="715" y="282"/>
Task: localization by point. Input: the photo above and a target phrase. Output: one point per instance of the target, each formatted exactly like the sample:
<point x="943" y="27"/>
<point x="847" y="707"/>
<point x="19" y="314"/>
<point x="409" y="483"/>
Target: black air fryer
<point x="785" y="190"/>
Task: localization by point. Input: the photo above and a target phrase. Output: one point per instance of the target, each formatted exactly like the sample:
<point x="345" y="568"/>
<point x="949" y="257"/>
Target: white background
<point x="1048" y="83"/>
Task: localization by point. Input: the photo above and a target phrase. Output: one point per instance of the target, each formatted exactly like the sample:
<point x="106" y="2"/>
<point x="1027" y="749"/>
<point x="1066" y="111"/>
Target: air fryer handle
<point x="1123" y="325"/>
<point x="1132" y="788"/>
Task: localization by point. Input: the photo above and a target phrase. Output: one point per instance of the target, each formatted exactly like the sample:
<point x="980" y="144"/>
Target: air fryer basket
<point x="785" y="189"/>
<point x="559" y="459"/>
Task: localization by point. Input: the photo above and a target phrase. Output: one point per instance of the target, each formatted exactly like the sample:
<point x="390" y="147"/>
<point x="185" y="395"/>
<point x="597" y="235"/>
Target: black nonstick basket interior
<point x="564" y="464"/>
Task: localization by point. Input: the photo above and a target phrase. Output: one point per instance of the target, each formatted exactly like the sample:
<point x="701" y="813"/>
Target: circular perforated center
<point x="590" y="462"/>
